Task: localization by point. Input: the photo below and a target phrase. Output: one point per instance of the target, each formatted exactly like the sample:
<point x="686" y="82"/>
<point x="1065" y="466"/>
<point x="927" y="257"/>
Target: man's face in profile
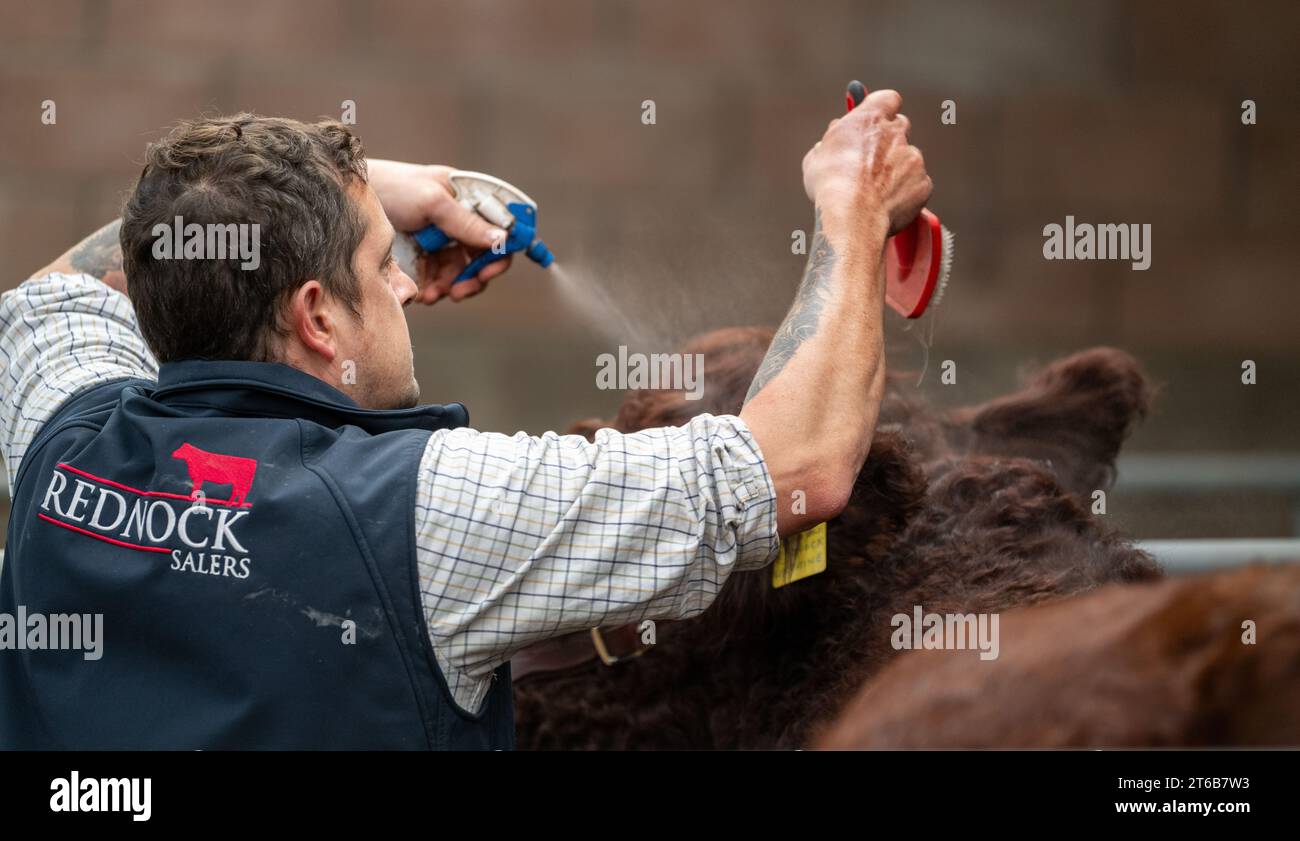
<point x="379" y="343"/>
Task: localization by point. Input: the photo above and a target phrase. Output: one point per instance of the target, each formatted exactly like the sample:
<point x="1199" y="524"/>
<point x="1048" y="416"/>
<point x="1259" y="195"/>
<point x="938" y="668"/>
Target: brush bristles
<point x="945" y="265"/>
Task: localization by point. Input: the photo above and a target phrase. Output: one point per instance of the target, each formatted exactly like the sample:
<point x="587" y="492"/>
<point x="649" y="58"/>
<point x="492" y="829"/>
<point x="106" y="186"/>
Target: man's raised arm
<point x="98" y="255"/>
<point x="65" y="329"/>
<point x="813" y="404"/>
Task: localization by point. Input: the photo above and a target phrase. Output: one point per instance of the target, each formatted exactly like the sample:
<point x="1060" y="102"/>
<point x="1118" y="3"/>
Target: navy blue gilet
<point x="247" y="533"/>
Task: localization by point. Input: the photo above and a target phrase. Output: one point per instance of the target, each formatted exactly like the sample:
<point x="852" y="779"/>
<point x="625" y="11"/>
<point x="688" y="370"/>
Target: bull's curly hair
<point x="974" y="510"/>
<point x="290" y="178"/>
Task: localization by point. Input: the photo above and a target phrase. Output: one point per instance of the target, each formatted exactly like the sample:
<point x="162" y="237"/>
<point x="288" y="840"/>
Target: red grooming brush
<point x="918" y="259"/>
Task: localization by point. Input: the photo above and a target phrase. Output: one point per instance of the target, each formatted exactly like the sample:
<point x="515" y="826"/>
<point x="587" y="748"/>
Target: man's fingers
<point x="464" y="226"/>
<point x="470" y="288"/>
<point x="466" y="289"/>
<point x="439" y="280"/>
<point x="450" y="261"/>
<point x="491" y="270"/>
<point x="885" y="101"/>
<point x="426" y="270"/>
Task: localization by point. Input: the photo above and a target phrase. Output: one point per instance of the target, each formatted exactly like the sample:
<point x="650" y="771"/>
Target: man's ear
<point x="311" y="320"/>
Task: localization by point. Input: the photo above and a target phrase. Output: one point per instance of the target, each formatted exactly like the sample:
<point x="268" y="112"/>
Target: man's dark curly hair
<point x="290" y="178"/>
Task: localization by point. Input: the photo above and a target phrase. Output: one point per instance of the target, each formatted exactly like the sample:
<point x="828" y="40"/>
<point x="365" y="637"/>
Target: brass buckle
<point x="602" y="651"/>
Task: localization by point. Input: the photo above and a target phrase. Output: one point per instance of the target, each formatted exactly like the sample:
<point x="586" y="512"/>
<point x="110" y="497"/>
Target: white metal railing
<point x="1207" y="473"/>
<point x="1192" y="472"/>
<point x="1184" y="557"/>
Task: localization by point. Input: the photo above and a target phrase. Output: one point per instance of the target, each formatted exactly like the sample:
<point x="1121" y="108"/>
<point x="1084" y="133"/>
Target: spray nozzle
<point x="540" y="254"/>
<point x="503" y="205"/>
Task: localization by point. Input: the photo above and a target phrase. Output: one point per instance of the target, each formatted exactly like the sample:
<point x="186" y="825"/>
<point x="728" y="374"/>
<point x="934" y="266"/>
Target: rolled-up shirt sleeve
<point x="522" y="538"/>
<point x="60" y="334"/>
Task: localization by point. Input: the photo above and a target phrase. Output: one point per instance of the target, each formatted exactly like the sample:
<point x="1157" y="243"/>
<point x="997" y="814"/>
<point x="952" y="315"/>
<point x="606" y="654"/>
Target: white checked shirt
<point x="518" y="538"/>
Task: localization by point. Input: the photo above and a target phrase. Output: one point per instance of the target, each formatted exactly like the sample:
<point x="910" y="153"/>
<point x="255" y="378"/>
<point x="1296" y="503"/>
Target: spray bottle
<point x="500" y="203"/>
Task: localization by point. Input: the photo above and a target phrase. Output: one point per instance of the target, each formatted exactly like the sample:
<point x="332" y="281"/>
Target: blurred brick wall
<point x="1110" y="111"/>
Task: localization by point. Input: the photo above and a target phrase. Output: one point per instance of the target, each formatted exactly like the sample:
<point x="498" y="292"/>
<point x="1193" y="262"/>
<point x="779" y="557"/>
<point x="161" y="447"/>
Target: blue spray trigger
<point x="522" y="236"/>
<point x="431" y="238"/>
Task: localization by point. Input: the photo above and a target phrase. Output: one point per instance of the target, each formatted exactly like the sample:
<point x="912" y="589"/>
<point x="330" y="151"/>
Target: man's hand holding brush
<point x="812" y="407"/>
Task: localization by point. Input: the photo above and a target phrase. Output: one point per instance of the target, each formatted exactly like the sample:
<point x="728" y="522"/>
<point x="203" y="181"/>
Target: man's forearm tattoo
<point x="99" y="253"/>
<point x="805" y="314"/>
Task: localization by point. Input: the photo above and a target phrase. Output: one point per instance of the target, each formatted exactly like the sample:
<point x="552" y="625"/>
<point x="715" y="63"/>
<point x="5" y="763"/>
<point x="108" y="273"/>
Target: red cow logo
<point x="219" y="470"/>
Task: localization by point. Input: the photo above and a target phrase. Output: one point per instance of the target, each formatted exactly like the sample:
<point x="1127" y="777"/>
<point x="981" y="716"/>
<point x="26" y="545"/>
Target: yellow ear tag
<point x="801" y="555"/>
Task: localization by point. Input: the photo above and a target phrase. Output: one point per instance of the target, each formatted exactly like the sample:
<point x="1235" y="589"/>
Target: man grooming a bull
<point x="228" y="460"/>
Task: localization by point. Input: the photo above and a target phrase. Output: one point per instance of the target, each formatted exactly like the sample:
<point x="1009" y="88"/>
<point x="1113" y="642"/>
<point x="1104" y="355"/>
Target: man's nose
<point x="405" y="287"/>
